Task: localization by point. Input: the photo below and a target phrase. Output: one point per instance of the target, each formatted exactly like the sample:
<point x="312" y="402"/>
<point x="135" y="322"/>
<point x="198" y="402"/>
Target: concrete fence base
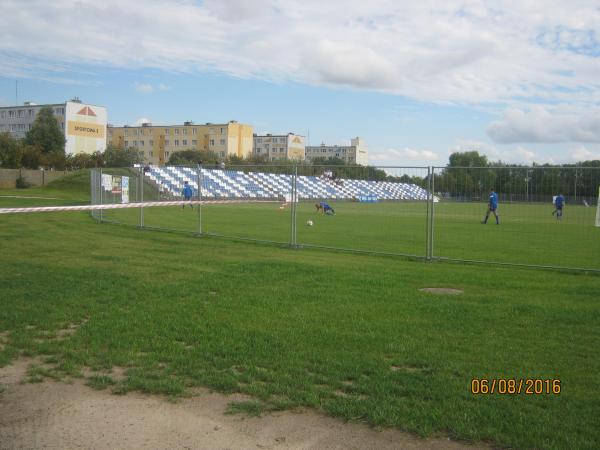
<point x="8" y="177"/>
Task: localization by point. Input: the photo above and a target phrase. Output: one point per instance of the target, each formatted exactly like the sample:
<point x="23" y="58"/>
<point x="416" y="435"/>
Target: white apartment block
<point x="83" y="125"/>
<point x="284" y="146"/>
<point x="355" y="153"/>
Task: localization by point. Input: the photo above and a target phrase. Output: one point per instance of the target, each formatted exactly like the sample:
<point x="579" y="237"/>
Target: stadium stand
<point x="232" y="184"/>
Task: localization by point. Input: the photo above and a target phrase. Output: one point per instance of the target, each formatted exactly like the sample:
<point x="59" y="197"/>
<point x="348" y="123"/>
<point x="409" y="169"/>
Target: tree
<point x="10" y="152"/>
<point x="191" y="157"/>
<point x="32" y="157"/>
<point x="467" y="159"/>
<point x="118" y="157"/>
<point x="45" y="133"/>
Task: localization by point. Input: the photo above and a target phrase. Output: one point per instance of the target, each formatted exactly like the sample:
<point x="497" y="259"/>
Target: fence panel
<point x="248" y="202"/>
<point x="162" y="184"/>
<point x="116" y="186"/>
<point x="530" y="231"/>
<point x="375" y="209"/>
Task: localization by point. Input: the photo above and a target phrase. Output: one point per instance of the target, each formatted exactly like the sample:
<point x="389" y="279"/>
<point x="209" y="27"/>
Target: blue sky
<point x="417" y="81"/>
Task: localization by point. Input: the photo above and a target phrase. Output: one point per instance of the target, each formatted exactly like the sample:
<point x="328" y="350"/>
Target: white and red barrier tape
<point x="124" y="205"/>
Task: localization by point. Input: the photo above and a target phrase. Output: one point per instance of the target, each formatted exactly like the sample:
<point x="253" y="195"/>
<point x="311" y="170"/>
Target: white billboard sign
<point x="85" y="128"/>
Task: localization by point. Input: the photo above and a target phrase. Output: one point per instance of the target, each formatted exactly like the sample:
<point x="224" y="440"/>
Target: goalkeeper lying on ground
<point x="324" y="208"/>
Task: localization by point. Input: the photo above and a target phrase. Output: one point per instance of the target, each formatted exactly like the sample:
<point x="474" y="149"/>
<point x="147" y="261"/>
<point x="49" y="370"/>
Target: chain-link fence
<point x="426" y="212"/>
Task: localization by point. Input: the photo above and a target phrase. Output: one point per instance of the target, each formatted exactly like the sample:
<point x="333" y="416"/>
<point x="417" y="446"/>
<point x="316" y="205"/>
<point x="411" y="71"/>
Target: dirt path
<point x="58" y="415"/>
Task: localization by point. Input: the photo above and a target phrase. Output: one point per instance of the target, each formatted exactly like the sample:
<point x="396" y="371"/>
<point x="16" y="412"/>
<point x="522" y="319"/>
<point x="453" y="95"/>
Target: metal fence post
<point x="428" y="213"/>
<point x="199" y="181"/>
<point x="293" y="208"/>
<point x="141" y="191"/>
<point x="431" y="202"/>
<point x="101" y="195"/>
<point x="92" y="190"/>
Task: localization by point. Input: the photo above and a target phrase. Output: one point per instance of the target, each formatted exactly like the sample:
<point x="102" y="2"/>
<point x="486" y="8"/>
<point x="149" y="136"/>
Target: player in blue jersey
<point x="559" y="202"/>
<point x="492" y="207"/>
<point x="187" y="194"/>
<point x="325" y="208"/>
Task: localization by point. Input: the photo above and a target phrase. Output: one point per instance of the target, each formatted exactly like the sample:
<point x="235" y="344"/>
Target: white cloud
<point x="581" y="153"/>
<point x="465" y="51"/>
<point x="545" y="124"/>
<point x="144" y="88"/>
<point x="163" y="87"/>
<point x="515" y="155"/>
<point x="404" y="157"/>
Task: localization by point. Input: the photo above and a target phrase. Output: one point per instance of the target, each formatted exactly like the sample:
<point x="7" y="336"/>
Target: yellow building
<point x="273" y="147"/>
<point x="157" y="143"/>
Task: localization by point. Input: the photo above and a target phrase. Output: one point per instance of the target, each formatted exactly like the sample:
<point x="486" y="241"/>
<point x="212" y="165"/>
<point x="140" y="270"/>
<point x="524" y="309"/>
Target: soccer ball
<point x="309" y="223"/>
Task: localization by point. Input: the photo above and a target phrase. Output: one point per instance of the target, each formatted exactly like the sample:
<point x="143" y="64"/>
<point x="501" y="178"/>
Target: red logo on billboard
<point x="87" y="111"/>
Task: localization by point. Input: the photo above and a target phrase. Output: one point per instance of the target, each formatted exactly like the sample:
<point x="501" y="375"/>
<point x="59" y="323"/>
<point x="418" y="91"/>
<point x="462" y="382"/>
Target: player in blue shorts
<point x="187" y="194"/>
<point x="325" y="208"/>
<point x="492" y="207"/>
<point x="559" y="202"/>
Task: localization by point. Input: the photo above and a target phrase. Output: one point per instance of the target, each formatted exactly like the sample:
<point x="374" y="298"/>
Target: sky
<point x="516" y="81"/>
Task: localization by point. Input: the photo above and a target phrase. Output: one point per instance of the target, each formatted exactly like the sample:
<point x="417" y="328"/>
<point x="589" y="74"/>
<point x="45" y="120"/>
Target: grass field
<point x="349" y="334"/>
<point x="528" y="233"/>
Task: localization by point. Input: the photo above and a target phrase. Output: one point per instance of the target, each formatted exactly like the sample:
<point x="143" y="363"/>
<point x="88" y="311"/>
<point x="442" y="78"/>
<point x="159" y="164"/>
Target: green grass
<point x="348" y="334"/>
<point x="528" y="234"/>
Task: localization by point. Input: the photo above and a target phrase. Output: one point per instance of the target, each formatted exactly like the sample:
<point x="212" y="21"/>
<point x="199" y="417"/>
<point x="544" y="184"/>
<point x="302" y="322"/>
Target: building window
<point x="222" y="130"/>
<point x="11" y="114"/>
<point x="176" y="130"/>
<point x="135" y="143"/>
<point x="21" y="113"/>
<point x="194" y="143"/>
<point x="259" y="140"/>
<point x="141" y="143"/>
<point x="167" y="154"/>
<point x="184" y="142"/>
<point x="151" y="143"/>
<point x="3" y="115"/>
<point x="194" y="130"/>
<point x="135" y="132"/>
<point x="176" y="142"/>
<point x="258" y="150"/>
<point x="222" y="141"/>
<point x="126" y="132"/>
<point x="185" y="131"/>
<point x="126" y="143"/>
<point x="222" y="154"/>
<point x="151" y="154"/>
<point x="31" y="113"/>
<point x="166" y="142"/>
<point x="212" y="142"/>
<point x="167" y="131"/>
<point x="281" y="150"/>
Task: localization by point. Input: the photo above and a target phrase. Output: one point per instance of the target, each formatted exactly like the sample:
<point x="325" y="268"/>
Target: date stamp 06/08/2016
<point x="515" y="386"/>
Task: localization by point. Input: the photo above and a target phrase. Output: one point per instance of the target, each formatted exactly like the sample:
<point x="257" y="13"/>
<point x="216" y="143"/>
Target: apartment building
<point x="283" y="146"/>
<point x="355" y="153"/>
<point x="84" y="125"/>
<point x="157" y="143"/>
